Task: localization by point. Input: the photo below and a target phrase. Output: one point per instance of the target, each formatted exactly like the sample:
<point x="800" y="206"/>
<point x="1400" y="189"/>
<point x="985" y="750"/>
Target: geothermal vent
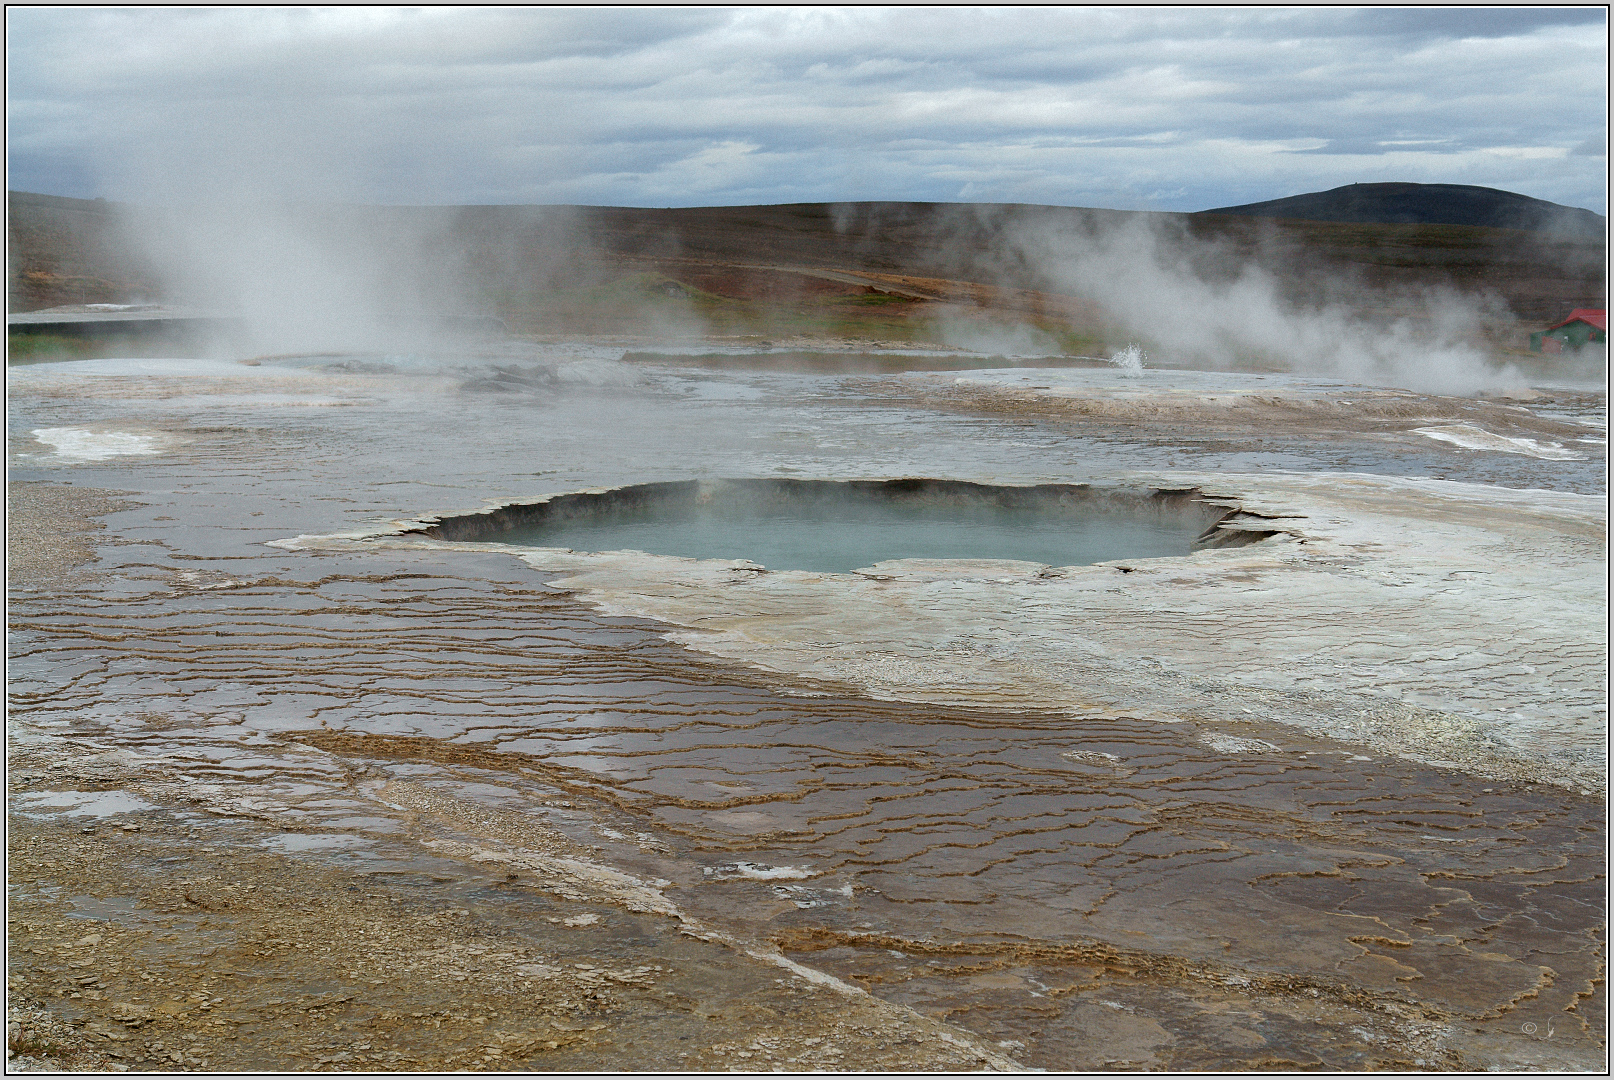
<point x="839" y="526"/>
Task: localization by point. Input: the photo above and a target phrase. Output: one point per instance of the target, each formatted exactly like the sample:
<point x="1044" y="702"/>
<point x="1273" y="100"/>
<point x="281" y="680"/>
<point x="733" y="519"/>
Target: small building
<point x="1583" y="325"/>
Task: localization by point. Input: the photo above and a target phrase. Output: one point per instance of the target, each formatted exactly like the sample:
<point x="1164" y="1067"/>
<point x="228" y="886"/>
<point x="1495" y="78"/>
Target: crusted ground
<point x="149" y="947"/>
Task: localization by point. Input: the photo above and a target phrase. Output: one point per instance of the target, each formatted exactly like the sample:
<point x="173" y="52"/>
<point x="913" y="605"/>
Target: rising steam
<point x="344" y="277"/>
<point x="309" y="278"/>
<point x="1205" y="306"/>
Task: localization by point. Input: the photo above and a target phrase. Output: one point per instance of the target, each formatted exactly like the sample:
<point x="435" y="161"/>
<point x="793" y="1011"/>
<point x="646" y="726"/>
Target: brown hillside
<point x="772" y="269"/>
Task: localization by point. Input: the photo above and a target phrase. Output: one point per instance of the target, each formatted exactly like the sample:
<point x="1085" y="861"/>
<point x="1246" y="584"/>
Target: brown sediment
<point x="52" y="531"/>
<point x="156" y="950"/>
<point x="1034" y="995"/>
<point x="1233" y="1003"/>
<point x="1231" y="413"/>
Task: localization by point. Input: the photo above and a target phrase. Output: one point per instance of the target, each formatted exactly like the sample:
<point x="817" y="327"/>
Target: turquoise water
<point x="841" y="537"/>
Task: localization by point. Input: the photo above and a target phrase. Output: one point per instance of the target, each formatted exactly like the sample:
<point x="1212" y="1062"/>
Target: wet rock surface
<point x="1137" y="863"/>
<point x="366" y="807"/>
<point x="159" y="948"/>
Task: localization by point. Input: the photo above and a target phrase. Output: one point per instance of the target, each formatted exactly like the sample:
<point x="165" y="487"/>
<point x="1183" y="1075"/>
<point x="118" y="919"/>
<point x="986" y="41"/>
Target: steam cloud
<point x="1204" y="302"/>
<point x="336" y="277"/>
<point x="1144" y="272"/>
<point x="310" y="278"/>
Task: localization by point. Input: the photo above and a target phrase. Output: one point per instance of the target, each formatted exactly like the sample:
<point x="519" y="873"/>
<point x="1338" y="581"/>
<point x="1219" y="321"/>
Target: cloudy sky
<point x="1130" y="108"/>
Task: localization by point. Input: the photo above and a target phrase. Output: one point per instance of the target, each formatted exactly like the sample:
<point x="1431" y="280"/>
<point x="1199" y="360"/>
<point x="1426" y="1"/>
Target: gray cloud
<point x="1170" y="108"/>
<point x="1384" y="146"/>
<point x="1439" y="25"/>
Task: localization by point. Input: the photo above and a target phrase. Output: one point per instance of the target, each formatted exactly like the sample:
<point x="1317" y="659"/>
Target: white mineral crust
<point x="1447" y="622"/>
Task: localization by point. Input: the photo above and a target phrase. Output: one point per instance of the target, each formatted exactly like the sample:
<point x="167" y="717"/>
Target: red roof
<point x="1597" y="317"/>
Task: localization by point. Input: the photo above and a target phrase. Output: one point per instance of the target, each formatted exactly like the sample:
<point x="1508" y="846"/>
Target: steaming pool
<point x="838" y="527"/>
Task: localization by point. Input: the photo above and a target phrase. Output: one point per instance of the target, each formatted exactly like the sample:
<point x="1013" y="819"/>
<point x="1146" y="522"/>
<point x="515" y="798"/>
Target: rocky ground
<point x="156" y="942"/>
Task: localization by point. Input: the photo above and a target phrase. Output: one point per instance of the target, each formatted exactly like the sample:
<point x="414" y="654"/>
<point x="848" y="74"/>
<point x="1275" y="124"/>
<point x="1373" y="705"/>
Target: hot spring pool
<point x="837" y="527"/>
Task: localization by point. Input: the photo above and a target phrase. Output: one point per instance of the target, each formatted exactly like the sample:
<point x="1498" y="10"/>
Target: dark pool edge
<point x="1227" y="524"/>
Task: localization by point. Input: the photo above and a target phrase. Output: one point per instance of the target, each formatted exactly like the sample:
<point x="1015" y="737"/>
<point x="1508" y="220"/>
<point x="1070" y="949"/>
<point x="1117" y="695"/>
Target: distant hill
<point x="1428" y="204"/>
<point x="74" y="251"/>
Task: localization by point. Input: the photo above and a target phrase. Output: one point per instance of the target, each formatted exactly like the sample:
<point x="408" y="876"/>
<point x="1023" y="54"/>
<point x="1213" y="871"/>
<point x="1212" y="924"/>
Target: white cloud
<point x="1171" y="108"/>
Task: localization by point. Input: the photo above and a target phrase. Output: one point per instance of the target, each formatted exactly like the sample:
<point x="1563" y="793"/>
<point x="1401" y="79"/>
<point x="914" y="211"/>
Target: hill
<point x="870" y="270"/>
<point x="1428" y="204"/>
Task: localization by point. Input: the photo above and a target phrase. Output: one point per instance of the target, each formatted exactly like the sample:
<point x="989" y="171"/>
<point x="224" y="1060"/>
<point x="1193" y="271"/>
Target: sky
<point x="1128" y="108"/>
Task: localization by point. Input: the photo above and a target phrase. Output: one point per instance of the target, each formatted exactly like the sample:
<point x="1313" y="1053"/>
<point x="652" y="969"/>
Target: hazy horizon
<point x="741" y="206"/>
